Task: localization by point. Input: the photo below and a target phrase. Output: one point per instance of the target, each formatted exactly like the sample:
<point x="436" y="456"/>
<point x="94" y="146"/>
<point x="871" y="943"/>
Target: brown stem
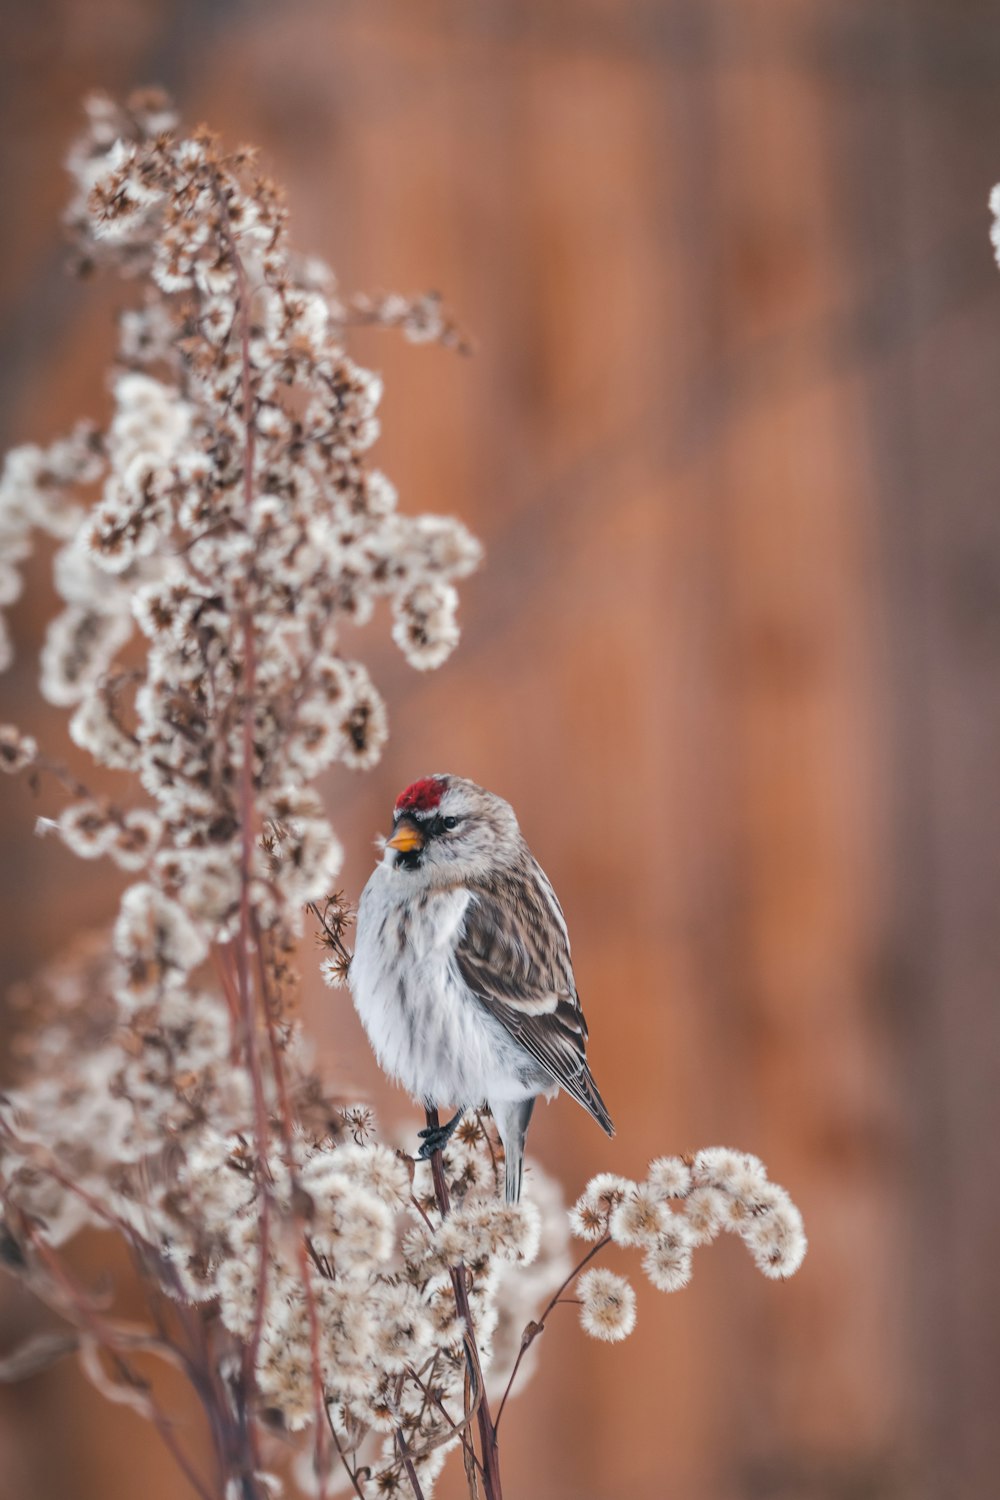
<point x="319" y="1397"/>
<point x="411" y="1473"/>
<point x="246" y="790"/>
<point x="458" y="1429"/>
<point x="248" y="928"/>
<point x="222" y="963"/>
<point x="352" y="1476"/>
<point x="208" y="1384"/>
<point x="277" y="1067"/>
<point x="303" y="1250"/>
<point x="532" y="1331"/>
<point x="334" y="935"/>
<point x="247" y="811"/>
<point x="487" y="1431"/>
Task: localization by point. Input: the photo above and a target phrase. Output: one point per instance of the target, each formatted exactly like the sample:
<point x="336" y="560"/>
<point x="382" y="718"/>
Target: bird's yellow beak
<point x="406" y="838"/>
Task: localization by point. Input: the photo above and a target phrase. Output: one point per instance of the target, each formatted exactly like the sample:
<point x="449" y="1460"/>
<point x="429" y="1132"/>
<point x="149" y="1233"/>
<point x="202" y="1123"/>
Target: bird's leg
<point x="436" y="1137"/>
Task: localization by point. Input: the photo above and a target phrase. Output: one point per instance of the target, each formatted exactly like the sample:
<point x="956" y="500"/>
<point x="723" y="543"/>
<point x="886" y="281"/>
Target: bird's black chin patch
<point x="410" y="860"/>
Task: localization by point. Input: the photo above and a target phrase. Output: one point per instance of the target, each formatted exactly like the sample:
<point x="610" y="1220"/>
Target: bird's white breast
<point x="426" y="1028"/>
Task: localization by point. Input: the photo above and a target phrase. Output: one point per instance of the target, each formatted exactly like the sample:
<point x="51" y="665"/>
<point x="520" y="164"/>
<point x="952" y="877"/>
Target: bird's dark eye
<point x="449" y="822"/>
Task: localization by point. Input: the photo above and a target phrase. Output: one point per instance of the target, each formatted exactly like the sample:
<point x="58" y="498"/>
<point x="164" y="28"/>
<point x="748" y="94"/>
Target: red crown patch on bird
<point x="422" y="796"/>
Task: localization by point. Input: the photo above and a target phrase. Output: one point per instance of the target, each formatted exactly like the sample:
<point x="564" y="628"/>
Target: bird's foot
<point x="436" y="1137"/>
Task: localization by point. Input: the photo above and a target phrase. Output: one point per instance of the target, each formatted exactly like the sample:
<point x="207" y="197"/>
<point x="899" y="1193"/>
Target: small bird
<point x="461" y="971"/>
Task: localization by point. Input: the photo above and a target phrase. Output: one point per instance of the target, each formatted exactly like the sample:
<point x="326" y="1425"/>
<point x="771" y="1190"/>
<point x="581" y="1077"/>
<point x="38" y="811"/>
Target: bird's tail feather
<point x="513" y="1172"/>
<point x="589" y="1096"/>
<point x="512" y="1123"/>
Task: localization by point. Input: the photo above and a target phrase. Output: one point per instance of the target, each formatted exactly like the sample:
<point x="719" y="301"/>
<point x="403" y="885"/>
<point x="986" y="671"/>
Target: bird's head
<point x="447" y="829"/>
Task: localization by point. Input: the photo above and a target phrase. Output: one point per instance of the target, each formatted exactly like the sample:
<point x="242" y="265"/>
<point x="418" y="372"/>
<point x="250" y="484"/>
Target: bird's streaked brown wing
<point x="513" y="954"/>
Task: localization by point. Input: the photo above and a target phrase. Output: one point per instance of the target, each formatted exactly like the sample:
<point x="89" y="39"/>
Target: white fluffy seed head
<point x="485" y="1227"/>
<point x="607" y="1305"/>
<point x="156" y="942"/>
<point x="706" y="1209"/>
<point x="669" y="1177"/>
<point x="401" y="1326"/>
<point x="722" y="1167"/>
<point x="668" y="1265"/>
<point x="637" y="1219"/>
<point x="17" y="750"/>
<point x="776" y="1238"/>
<point x="88" y="828"/>
<point x="376" y="1168"/>
<point x="589" y="1217"/>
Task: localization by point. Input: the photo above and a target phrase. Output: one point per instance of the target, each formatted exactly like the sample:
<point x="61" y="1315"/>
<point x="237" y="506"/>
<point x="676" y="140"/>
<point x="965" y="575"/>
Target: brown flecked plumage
<point x="514" y="955"/>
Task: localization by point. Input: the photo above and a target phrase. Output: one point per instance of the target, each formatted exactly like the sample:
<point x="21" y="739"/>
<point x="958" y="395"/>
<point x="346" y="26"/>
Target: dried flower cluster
<point x="236" y="525"/>
<point x="344" y="1312"/>
<point x="682" y="1204"/>
<point x="88" y="1140"/>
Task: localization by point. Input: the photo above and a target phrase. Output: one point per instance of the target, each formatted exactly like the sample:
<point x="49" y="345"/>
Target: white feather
<point x="427" y="1029"/>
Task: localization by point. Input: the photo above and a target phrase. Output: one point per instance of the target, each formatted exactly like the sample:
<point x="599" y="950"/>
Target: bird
<point x="461" y="972"/>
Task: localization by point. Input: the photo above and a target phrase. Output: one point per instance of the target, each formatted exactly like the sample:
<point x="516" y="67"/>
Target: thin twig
<point x="334" y="934"/>
<point x="351" y="1473"/>
<point x="532" y="1331"/>
<point x="302" y="1249"/>
<point x="246" y="813"/>
<point x="458" y="1429"/>
<point x="248" y="930"/>
<point x="487" y="1431"/>
<point x="470" y="1459"/>
<point x="411" y="1473"/>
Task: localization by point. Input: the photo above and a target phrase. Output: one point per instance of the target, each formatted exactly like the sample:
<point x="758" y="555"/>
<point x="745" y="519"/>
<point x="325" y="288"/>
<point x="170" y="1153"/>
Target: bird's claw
<point x="436" y="1137"/>
<point x="434" y="1140"/>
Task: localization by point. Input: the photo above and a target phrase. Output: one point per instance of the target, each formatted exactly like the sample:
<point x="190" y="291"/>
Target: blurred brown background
<point x="731" y="438"/>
